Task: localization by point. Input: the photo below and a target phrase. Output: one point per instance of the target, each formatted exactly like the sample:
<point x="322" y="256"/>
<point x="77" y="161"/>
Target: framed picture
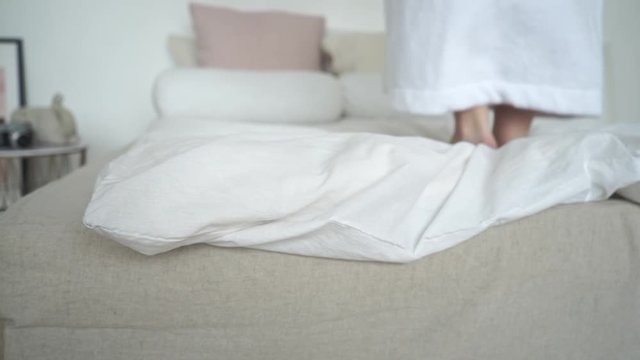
<point x="12" y="87"/>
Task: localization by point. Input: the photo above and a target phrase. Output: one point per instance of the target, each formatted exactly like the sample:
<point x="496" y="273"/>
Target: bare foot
<point x="511" y="123"/>
<point x="472" y="125"/>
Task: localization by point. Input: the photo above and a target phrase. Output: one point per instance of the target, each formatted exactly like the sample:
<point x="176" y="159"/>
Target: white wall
<point x="104" y="55"/>
<point x="622" y="34"/>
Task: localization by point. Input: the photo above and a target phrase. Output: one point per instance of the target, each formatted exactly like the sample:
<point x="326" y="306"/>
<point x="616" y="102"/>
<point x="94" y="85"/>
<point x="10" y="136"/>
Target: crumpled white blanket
<point x="359" y="196"/>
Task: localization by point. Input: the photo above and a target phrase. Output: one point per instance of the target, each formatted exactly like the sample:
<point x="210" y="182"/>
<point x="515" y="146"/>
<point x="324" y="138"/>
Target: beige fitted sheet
<point x="562" y="284"/>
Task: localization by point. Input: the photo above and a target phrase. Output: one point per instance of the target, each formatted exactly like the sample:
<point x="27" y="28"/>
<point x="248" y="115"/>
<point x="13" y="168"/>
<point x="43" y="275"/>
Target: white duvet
<point x="360" y="196"/>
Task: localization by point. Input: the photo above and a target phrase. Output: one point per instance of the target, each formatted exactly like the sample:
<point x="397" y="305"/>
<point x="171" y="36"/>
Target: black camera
<point x="16" y="135"/>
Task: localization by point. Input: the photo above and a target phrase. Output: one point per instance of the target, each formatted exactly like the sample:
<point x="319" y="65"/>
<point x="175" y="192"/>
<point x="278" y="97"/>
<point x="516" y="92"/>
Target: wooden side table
<point x="14" y="169"/>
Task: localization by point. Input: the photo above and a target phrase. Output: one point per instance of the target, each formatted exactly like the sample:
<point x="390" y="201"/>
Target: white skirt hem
<point x="544" y="99"/>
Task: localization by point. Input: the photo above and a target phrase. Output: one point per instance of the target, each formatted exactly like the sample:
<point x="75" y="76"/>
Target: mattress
<point x="564" y="283"/>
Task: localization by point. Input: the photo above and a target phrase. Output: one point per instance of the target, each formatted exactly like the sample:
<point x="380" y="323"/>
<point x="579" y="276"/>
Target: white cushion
<point x="259" y="96"/>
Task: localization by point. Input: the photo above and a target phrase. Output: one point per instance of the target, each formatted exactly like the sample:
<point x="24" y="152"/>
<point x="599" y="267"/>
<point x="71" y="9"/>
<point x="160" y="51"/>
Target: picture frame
<point x="12" y="79"/>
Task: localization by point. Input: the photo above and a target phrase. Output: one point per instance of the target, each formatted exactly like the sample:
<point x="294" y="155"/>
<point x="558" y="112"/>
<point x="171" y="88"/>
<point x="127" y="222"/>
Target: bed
<point x="561" y="284"/>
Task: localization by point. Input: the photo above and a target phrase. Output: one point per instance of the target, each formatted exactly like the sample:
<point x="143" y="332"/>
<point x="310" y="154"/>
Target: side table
<point x="14" y="167"/>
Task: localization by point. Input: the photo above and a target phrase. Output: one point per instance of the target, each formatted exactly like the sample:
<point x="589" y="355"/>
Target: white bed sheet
<point x="351" y="195"/>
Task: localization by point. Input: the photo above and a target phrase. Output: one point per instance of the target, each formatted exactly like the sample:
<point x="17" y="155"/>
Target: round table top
<point x="42" y="150"/>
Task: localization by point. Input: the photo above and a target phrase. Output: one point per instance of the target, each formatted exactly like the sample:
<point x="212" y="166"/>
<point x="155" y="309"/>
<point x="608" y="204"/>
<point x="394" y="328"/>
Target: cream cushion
<point x="356" y="51"/>
<point x="182" y="49"/>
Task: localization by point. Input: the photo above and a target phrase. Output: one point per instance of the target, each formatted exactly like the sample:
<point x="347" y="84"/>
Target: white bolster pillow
<point x="261" y="96"/>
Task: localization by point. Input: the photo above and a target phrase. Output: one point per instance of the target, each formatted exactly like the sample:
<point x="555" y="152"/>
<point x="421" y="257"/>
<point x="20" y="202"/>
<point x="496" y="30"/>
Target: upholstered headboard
<point x="348" y="51"/>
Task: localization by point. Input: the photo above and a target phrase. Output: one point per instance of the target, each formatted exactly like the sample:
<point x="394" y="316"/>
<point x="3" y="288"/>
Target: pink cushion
<point x="232" y="39"/>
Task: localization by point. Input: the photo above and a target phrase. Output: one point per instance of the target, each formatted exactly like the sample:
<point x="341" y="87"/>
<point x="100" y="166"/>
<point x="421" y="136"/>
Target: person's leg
<point x="472" y="125"/>
<point x="511" y="123"/>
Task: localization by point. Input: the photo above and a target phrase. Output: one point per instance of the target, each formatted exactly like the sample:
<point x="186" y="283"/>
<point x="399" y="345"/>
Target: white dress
<point x="449" y="55"/>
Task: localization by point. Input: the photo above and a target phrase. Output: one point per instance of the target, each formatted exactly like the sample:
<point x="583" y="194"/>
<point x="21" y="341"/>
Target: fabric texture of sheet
<point x="544" y="55"/>
<point x="359" y="196"/>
